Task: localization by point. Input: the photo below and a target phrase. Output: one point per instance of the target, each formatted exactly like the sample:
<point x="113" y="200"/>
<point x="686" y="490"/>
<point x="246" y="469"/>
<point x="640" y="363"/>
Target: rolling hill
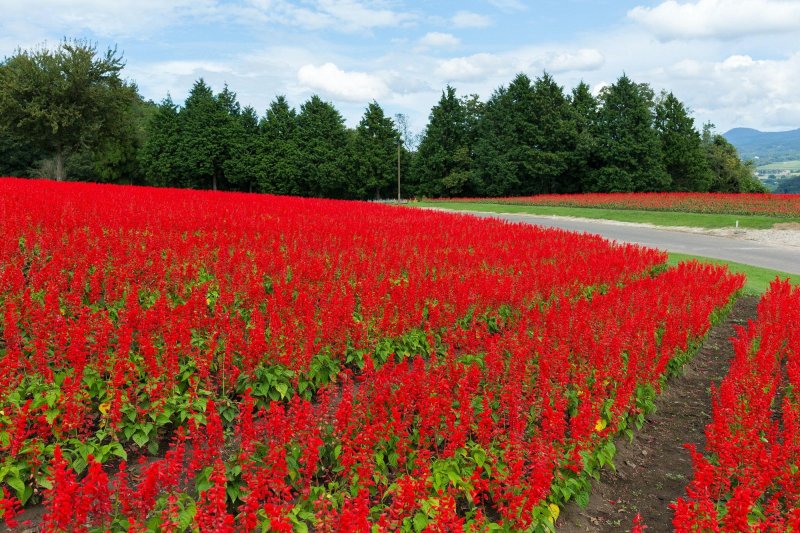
<point x="767" y="146"/>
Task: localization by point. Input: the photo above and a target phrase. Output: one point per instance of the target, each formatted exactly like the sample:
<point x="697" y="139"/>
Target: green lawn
<point x="784" y="165"/>
<point x="658" y="218"/>
<point x="757" y="278"/>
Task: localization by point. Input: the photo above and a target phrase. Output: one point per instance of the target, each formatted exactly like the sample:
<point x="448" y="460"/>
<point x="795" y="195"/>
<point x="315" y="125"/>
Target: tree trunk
<point x="60" y="175"/>
<point x="214" y="181"/>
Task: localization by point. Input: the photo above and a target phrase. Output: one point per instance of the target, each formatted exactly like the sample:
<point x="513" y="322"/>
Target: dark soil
<point x="654" y="468"/>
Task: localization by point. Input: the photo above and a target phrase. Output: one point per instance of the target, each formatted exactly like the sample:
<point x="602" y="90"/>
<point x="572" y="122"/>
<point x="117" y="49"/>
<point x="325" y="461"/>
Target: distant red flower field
<point x="237" y="362"/>
<point x="777" y="205"/>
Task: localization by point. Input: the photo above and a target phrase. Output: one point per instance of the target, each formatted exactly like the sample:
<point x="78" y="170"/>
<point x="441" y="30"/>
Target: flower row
<point x="748" y="478"/>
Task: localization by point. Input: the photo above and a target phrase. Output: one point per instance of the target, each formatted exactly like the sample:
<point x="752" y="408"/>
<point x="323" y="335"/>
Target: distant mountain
<point x="767" y="146"/>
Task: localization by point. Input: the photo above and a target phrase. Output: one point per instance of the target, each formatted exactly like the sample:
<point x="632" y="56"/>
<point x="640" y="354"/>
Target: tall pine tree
<point x="276" y="168"/>
<point x="159" y="156"/>
<point x="681" y="147"/>
<point x="628" y="148"/>
<point x="322" y="152"/>
<point x="554" y="137"/>
<point x="246" y="149"/>
<point x="375" y="145"/>
<point x="441" y="167"/>
<point x="583" y="160"/>
<point x="207" y="125"/>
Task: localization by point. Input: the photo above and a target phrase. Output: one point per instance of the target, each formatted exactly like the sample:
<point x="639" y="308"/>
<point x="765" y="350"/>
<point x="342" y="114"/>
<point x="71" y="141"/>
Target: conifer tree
<point x="276" y="168"/>
<point x="681" y="146"/>
<point x="441" y="166"/>
<point x="628" y="148"/>
<point x="375" y="143"/>
<point x="321" y="158"/>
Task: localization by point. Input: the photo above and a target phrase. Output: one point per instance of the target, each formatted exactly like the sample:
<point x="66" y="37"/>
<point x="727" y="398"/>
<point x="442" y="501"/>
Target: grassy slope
<point x="658" y="218"/>
<point x="785" y="165"/>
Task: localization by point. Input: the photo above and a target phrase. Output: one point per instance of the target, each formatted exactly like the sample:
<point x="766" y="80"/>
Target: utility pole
<point x="398" y="170"/>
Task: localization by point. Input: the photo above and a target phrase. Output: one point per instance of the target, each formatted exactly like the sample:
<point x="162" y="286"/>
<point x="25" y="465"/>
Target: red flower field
<point x="776" y="205"/>
<point x="749" y="479"/>
<point x="236" y="362"/>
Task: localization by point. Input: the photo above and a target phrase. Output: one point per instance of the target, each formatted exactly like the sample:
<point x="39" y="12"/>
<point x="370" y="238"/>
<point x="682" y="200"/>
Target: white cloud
<point x="723" y="19"/>
<point x="437" y="39"/>
<point x="472" y="68"/>
<point x="351" y="86"/>
<point x="104" y="18"/>
<point x="497" y="69"/>
<point x="738" y="90"/>
<point x="341" y="15"/>
<point x="582" y="60"/>
<point x="190" y="68"/>
<point x="467" y="19"/>
<point x="509" y="5"/>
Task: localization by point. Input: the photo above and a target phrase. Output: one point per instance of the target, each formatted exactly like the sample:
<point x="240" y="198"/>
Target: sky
<point x="735" y="63"/>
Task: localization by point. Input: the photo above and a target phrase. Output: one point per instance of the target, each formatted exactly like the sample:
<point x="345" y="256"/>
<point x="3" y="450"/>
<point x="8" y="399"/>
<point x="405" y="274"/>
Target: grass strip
<point x="657" y="218"/>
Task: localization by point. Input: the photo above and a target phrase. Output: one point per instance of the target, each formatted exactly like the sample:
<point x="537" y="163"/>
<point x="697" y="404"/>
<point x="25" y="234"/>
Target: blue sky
<point x="733" y="62"/>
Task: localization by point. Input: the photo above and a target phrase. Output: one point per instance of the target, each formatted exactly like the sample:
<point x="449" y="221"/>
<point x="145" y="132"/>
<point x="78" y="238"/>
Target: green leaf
<point x="116" y="449"/>
<point x="203" y="483"/>
<point x="51" y="415"/>
<point x="140" y="438"/>
<point x="152" y="447"/>
<point x="186" y="517"/>
<point x="282" y="388"/>
<point x="479" y="456"/>
<point x="420" y="521"/>
<point x="582" y="498"/>
<point x="17" y="484"/>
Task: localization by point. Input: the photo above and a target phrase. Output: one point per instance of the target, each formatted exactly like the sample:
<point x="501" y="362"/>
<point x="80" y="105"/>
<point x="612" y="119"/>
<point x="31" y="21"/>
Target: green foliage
<point x="728" y="172"/>
<point x="207" y="130"/>
<point x="584" y="106"/>
<point x="18" y="153"/>
<point x="276" y="172"/>
<point x="321" y="156"/>
<point x="246" y="148"/>
<point x="681" y="147"/>
<point x="555" y="137"/>
<point x="443" y="162"/>
<point x="529" y="140"/>
<point x="65" y="100"/>
<point x="628" y="148"/>
<point x="70" y="113"/>
<point x="375" y="147"/>
<point x="159" y="154"/>
<point x="495" y="169"/>
<point x="789" y="186"/>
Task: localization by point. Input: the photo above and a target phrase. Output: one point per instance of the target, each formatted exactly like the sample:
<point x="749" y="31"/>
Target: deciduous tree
<point x="64" y="100"/>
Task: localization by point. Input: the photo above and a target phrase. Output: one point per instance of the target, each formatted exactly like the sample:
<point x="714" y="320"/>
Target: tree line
<point x="68" y="114"/>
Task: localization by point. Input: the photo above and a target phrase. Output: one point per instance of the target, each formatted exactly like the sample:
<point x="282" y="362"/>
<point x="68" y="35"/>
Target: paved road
<point x="782" y="258"/>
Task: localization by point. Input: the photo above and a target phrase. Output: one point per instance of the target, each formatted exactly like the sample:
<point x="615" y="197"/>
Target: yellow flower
<point x="104" y="407"/>
<point x="554" y="511"/>
<point x="601" y="425"/>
